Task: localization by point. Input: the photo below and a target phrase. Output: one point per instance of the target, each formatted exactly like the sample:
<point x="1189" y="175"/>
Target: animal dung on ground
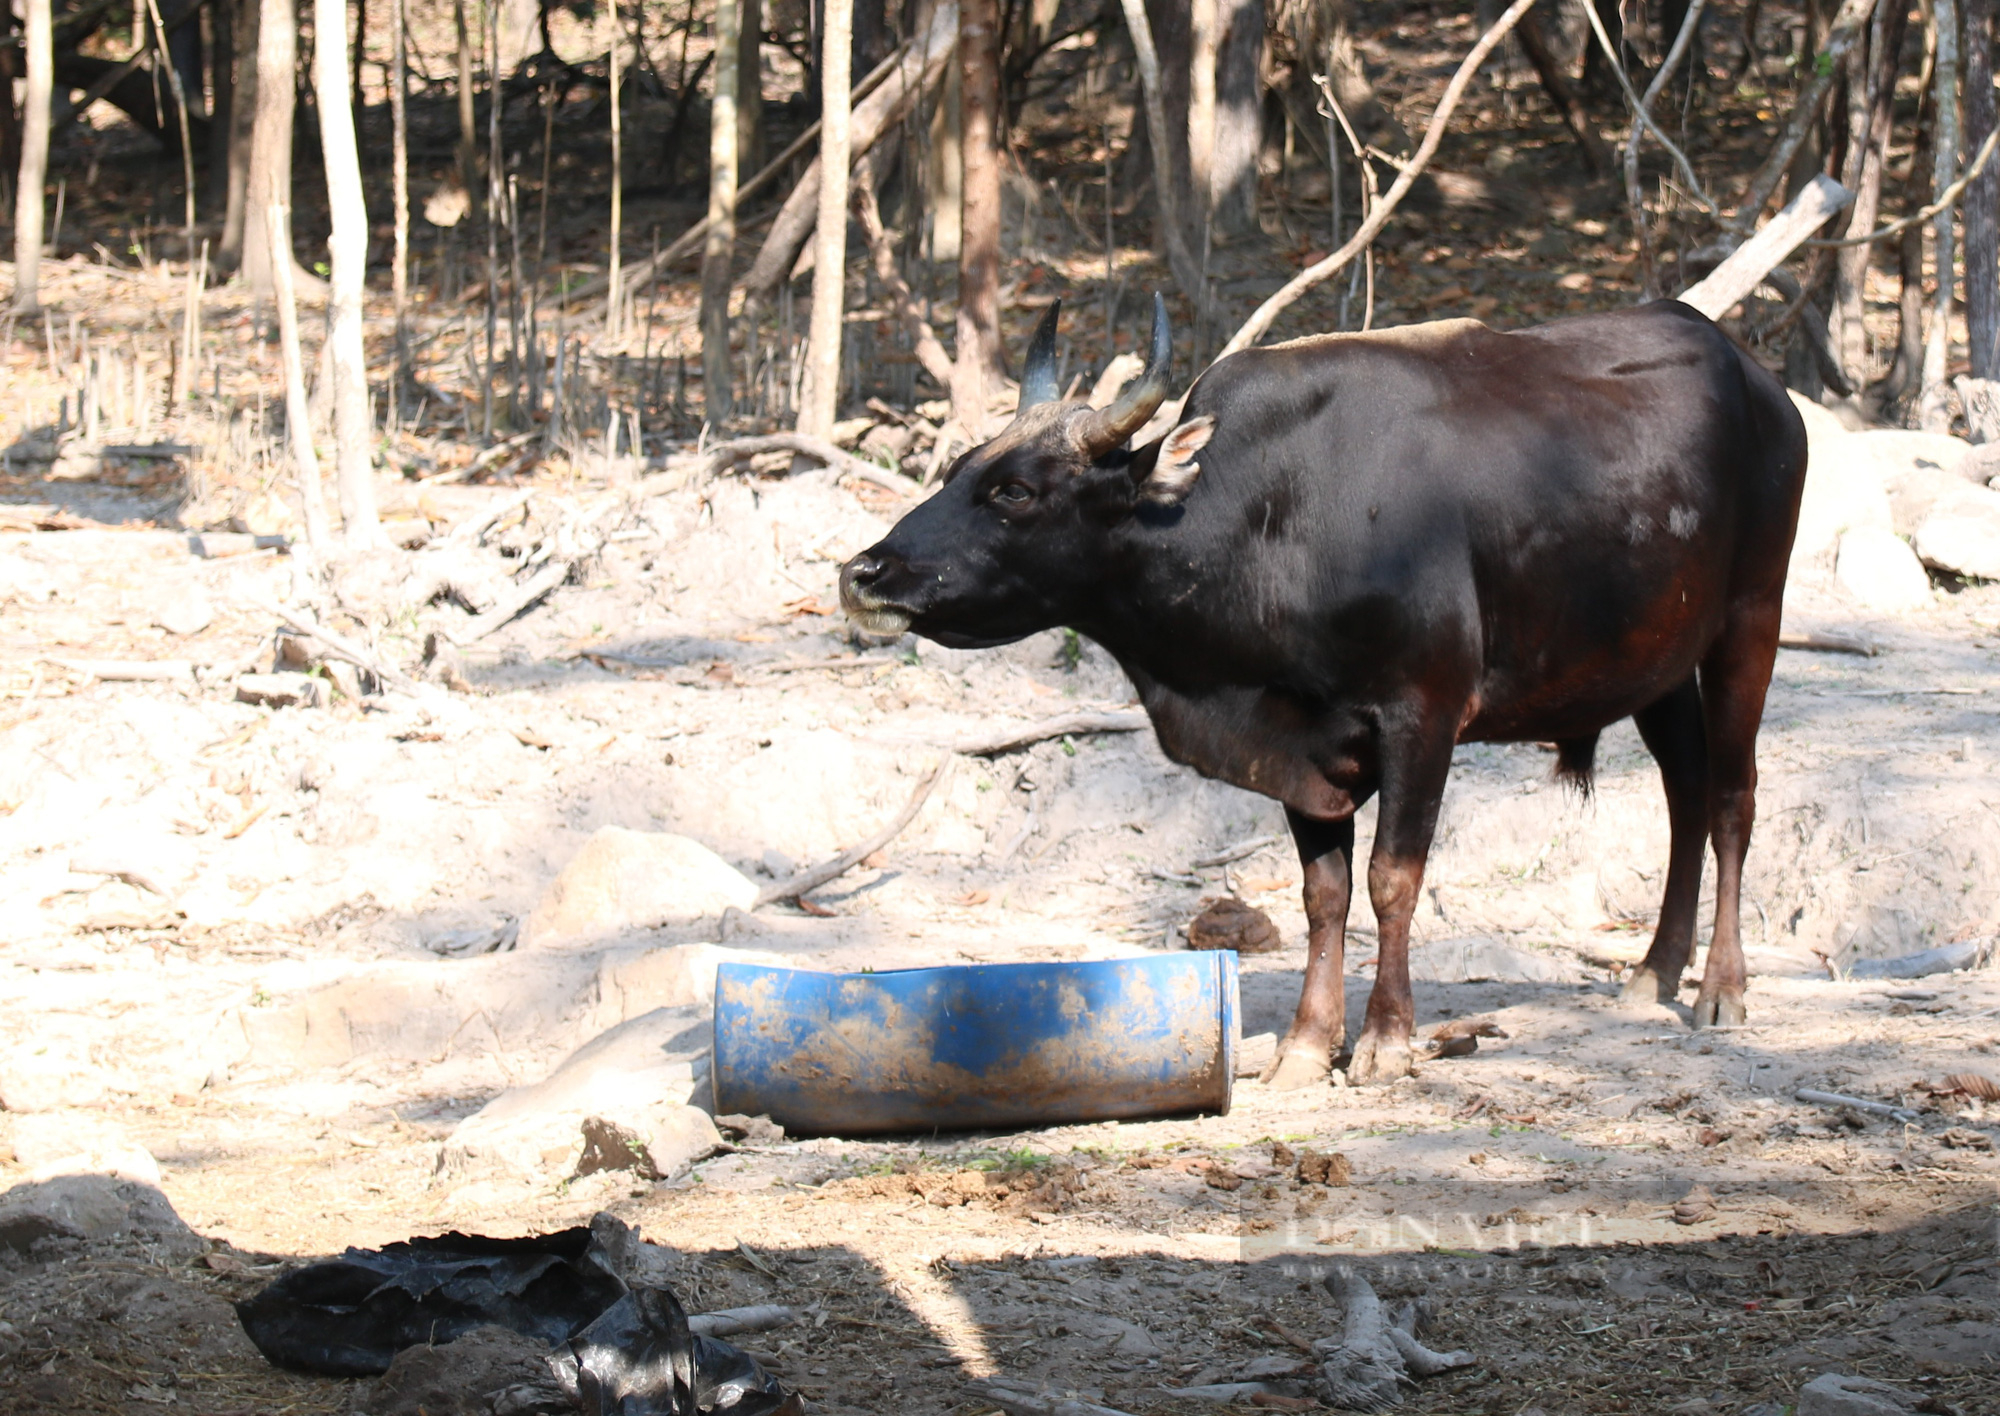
<point x="1460" y="1037"/>
<point x="1225" y="922"/>
<point x="1695" y="1207"/>
<point x="1325" y="1168"/>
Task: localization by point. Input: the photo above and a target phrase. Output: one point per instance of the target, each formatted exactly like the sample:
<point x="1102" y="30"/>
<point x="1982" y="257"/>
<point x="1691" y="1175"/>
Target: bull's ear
<point x="1175" y="470"/>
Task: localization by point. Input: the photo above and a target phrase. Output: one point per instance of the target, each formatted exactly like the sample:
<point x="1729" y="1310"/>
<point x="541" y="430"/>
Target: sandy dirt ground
<point x="258" y="958"/>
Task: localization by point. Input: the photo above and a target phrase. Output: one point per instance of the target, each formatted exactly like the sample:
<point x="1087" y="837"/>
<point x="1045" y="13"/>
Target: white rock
<point x="1837" y="1395"/>
<point x="624" y="880"/>
<point x="635" y="1081"/>
<point x="1962" y="533"/>
<point x="656" y="1144"/>
<point x="1821" y="421"/>
<point x="188" y="612"/>
<point x="1879" y="569"/>
<point x="1844" y="491"/>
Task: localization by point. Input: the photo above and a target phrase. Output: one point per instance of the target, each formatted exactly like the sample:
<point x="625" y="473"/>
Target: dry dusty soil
<point x="256" y="960"/>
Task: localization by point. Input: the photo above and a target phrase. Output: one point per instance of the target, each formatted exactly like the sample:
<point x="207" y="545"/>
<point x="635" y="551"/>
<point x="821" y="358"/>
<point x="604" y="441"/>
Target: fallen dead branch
<point x="530" y="592"/>
<point x="121" y="870"/>
<point x="727" y="1322"/>
<point x="1261" y="320"/>
<point x="480" y="463"/>
<point x="818" y="875"/>
<point x="1229" y="855"/>
<point x="1855" y="1103"/>
<point x="1068" y="725"/>
<point x="1813" y="641"/>
<point x="720" y="456"/>
<point x="1376" y="1355"/>
<point x="337" y="645"/>
<point x="129" y="670"/>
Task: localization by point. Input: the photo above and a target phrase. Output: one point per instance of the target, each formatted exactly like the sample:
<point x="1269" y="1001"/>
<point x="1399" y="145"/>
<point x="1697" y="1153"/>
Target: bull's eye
<point x="1012" y="496"/>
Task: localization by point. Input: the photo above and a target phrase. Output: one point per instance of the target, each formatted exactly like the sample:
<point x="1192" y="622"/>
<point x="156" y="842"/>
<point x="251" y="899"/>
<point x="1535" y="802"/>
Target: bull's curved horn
<point x="1140" y="399"/>
<point x="1038" y="375"/>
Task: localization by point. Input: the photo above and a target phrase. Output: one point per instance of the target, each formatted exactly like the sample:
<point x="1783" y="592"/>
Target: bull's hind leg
<point x="1326" y="854"/>
<point x="1734" y="679"/>
<point x="1673" y="732"/>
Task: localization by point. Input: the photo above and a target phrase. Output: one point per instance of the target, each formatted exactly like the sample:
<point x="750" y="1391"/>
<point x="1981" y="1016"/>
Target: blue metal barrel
<point x="977" y="1048"/>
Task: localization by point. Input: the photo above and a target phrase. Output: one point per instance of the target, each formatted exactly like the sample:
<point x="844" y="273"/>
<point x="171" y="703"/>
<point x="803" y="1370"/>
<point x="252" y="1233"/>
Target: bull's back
<point x="1577" y="504"/>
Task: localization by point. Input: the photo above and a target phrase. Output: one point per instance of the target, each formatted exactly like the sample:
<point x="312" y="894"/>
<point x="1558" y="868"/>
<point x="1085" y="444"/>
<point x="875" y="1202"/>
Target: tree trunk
<point x="28" y="194"/>
<point x="1885" y="45"/>
<point x="946" y="178"/>
<point x="1204" y="42"/>
<point x="1933" y="398"/>
<point x="271" y="138"/>
<point x="723" y="135"/>
<point x="399" y="118"/>
<point x="468" y="124"/>
<point x="614" y="304"/>
<point x="980" y="362"/>
<point x="353" y="428"/>
<point x="1239" y="117"/>
<point x="10" y="118"/>
<point x="222" y="84"/>
<point x="1154" y="84"/>
<point x="1555" y="83"/>
<point x="1982" y="198"/>
<point x="750" y="87"/>
<point x="819" y="399"/>
<point x="242" y="124"/>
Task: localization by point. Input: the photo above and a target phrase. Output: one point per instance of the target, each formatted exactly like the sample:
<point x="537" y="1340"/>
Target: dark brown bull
<point x="1356" y="551"/>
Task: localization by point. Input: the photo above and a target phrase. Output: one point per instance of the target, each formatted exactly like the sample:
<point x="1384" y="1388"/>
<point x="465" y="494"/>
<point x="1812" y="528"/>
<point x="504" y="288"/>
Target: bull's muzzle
<point x="864" y="603"/>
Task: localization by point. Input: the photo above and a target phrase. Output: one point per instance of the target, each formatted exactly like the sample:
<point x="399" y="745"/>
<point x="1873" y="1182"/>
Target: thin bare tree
<point x="1982" y="198"/>
<point x="614" y="303"/>
<point x="242" y="124"/>
<point x="979" y="363"/>
<point x="468" y="126"/>
<point x="399" y="275"/>
<point x="723" y="138"/>
<point x="271" y="137"/>
<point x="1186" y="269"/>
<point x="298" y="412"/>
<point x="1934" y="392"/>
<point x="353" y="428"/>
<point x="28" y="193"/>
<point x="820" y="397"/>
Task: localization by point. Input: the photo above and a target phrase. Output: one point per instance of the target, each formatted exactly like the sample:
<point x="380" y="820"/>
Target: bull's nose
<point x="857" y="577"/>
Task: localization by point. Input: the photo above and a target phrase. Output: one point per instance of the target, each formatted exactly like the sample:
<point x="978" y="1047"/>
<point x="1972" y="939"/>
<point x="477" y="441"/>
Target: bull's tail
<point x="1576" y="763"/>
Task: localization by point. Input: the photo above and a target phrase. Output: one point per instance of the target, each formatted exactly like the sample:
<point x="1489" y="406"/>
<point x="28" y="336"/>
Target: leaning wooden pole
<point x="721" y="242"/>
<point x="34" y="172"/>
<point x="353" y="428"/>
<point x="821" y="395"/>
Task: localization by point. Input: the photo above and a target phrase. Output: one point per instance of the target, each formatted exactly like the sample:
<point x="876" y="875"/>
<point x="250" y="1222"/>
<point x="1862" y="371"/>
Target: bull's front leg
<point x="1319" y="1028"/>
<point x="1415" y="763"/>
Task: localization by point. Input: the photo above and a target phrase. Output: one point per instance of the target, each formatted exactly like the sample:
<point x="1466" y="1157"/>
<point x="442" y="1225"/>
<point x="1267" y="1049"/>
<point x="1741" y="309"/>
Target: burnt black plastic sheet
<point x="622" y="1351"/>
<point x="350" y="1316"/>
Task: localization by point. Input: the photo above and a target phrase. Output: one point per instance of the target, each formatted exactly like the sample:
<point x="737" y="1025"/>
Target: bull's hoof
<point x="1646" y="989"/>
<point x="1291" y="1070"/>
<point x="1379" y="1059"/>
<point x="1719" y="1010"/>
